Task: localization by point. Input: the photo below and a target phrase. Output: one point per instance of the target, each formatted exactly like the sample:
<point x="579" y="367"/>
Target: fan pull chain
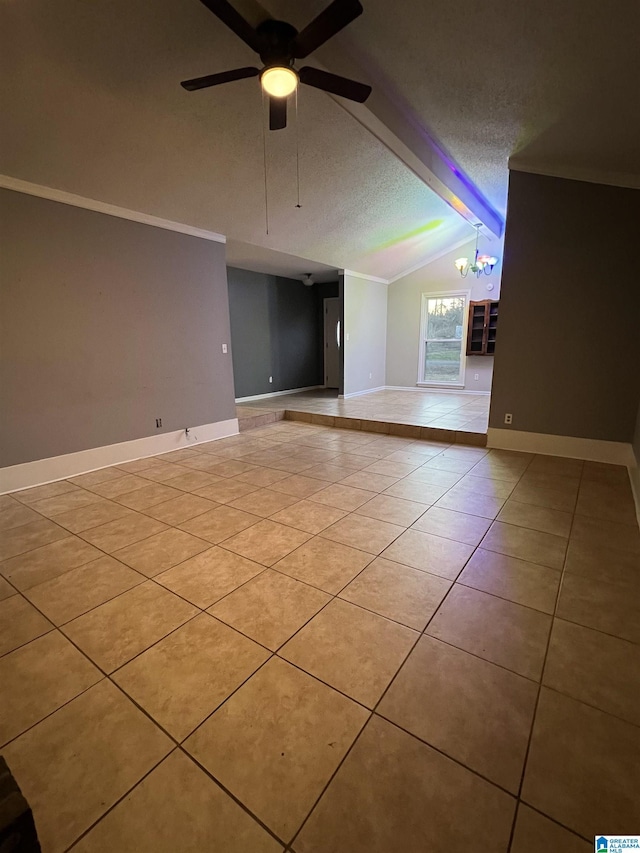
<point x="264" y="158"/>
<point x="298" y="205"/>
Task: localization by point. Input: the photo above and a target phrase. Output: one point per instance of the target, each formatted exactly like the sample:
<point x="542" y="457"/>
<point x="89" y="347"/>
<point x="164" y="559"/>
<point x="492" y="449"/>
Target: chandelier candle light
<point x="481" y="263"/>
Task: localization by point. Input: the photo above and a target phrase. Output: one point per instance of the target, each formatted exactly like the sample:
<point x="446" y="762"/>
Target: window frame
<point x="443" y="294"/>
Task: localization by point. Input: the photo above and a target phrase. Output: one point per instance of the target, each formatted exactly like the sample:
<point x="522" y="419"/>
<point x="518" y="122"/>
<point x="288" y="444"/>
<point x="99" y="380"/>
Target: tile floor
<point x="460" y="412"/>
<point x="324" y="641"/>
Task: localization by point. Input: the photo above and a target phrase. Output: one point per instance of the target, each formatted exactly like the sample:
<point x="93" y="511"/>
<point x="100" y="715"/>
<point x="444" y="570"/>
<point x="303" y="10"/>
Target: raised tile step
<point x="249" y="418"/>
<point x="477" y="439"/>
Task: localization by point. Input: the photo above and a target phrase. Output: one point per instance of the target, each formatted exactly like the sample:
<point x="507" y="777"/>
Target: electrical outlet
<point x="224" y="348"/>
<point x="508" y="418"/>
<point x="371" y="376"/>
<point x="158" y="423"/>
<point x="271" y="379"/>
<point x="476" y="376"/>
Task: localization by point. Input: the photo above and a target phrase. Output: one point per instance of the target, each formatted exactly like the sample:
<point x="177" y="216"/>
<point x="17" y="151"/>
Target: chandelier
<point x="481" y="263"/>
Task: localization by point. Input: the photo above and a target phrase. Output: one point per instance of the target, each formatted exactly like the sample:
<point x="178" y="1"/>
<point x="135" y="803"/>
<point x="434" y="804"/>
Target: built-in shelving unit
<point x="483" y="324"/>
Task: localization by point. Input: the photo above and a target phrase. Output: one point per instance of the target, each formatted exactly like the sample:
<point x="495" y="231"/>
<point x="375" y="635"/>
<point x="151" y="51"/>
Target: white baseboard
<point x="435" y="388"/>
<point x="28" y="474"/>
<point x="362" y="393"/>
<point x="592" y="449"/>
<point x="278" y="393"/>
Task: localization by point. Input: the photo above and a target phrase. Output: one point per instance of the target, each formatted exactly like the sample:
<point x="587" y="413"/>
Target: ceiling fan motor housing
<point x="277" y="38"/>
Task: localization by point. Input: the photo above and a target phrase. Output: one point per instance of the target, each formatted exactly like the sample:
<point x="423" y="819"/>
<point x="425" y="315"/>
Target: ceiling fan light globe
<point x="279" y="81"/>
<point x="461" y="263"/>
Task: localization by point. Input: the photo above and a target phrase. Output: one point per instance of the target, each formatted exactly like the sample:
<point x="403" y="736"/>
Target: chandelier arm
<point x="480" y="264"/>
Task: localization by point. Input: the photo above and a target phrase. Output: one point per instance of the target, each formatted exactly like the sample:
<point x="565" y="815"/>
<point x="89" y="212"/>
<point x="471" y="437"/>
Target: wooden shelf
<point x="483" y="323"/>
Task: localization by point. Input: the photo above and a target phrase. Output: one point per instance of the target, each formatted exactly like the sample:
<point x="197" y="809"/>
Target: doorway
<point x="332" y="342"/>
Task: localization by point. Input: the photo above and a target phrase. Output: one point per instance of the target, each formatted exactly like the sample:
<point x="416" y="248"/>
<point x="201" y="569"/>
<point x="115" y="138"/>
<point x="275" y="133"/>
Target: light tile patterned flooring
<point x="462" y="412"/>
<point x="324" y="641"/>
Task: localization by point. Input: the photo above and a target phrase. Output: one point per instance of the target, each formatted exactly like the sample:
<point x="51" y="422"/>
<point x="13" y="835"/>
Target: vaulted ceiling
<point x="91" y="104"/>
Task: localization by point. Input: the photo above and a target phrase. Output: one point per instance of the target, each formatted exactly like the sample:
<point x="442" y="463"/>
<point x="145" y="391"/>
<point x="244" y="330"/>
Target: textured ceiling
<point x="91" y="104"/>
<point x="553" y="85"/>
<point x="250" y="257"/>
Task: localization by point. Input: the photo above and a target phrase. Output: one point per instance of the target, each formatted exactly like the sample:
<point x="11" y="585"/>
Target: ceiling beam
<point x="427" y="161"/>
<point x="388" y="117"/>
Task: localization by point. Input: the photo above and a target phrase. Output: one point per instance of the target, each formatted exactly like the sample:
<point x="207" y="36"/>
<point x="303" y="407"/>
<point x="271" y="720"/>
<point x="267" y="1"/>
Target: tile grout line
<point x="539" y="692"/>
<point x="335" y="595"/>
<point x="371" y="715"/>
<point x="107" y="676"/>
<point x="520" y="803"/>
<point x="117" y="802"/>
<point x="219" y="544"/>
<point x="374" y="710"/>
<point x="272" y="653"/>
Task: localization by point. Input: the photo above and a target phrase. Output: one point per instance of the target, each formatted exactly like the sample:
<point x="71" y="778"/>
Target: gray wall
<point x="405" y="305"/>
<point x="105" y="325"/>
<point x="276" y="330"/>
<point x="567" y="358"/>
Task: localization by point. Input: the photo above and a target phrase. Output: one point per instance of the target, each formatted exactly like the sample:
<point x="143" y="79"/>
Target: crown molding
<point x="626" y="180"/>
<point x="52" y="194"/>
<point x="433" y="258"/>
<point x="364" y="276"/>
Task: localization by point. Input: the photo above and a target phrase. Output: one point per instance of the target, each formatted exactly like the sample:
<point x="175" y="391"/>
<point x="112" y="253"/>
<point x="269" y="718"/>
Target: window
<point x="443" y="330"/>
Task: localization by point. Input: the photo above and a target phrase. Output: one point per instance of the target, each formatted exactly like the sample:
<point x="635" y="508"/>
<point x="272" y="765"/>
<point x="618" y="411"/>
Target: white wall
<point x="403" y="315"/>
<point x="365" y="334"/>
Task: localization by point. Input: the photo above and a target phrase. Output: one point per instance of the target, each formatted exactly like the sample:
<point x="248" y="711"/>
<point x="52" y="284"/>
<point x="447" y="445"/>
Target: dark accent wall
<point x="105" y="325"/>
<point x="276" y="330"/>
<point x="568" y="362"/>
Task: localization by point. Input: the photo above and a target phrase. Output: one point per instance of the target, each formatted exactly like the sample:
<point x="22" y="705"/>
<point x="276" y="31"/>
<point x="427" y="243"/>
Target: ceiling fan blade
<point x="217" y="79"/>
<point x="223" y="10"/>
<point x="334" y="18"/>
<point x="277" y="113"/>
<point x="342" y="86"/>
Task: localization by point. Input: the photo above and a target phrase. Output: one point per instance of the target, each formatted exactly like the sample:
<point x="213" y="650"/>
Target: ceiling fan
<point x="279" y="44"/>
